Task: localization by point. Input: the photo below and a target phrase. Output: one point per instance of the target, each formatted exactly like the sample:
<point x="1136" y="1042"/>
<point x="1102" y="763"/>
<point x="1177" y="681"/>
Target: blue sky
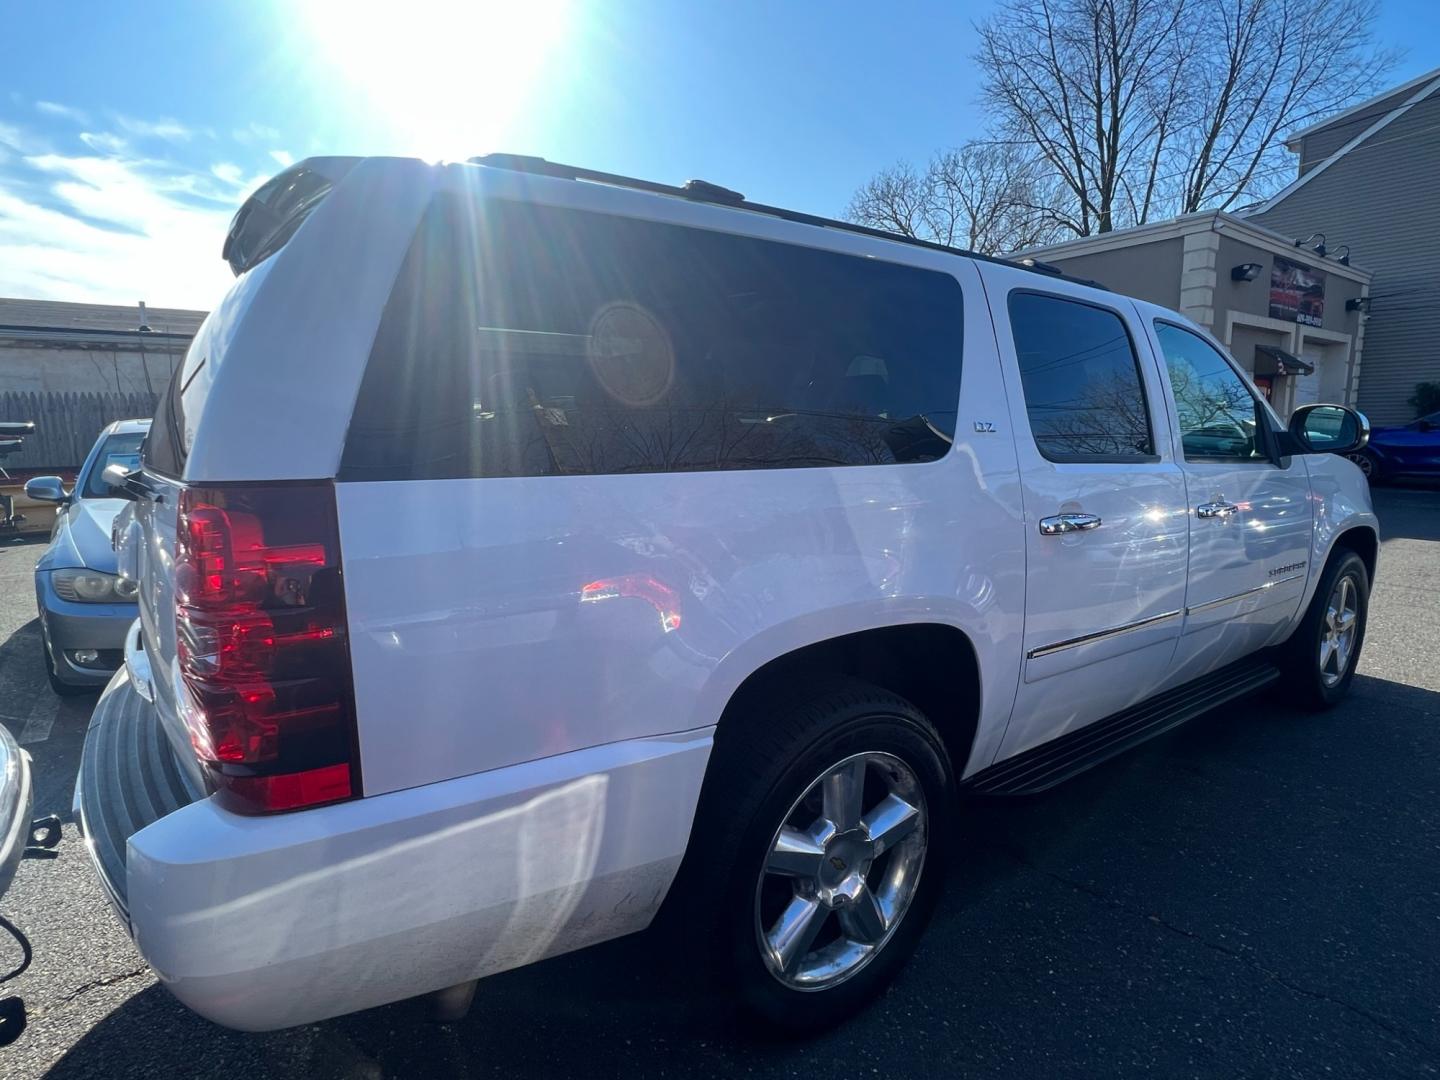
<point x="130" y="132"/>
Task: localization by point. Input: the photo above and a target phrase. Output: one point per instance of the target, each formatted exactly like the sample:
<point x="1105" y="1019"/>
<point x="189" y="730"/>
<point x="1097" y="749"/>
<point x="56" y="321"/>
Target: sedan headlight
<point x="92" y="587"/>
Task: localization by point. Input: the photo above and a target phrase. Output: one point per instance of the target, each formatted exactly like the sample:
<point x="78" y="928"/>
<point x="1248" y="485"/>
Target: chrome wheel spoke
<point x="863" y="920"/>
<point x="1337" y="639"/>
<point x="833" y="865"/>
<point x="889" y="822"/>
<point x="842" y="792"/>
<point x="795" y="854"/>
<point x="795" y="931"/>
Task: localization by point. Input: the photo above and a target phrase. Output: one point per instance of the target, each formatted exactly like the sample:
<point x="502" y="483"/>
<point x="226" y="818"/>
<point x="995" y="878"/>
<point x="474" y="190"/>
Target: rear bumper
<point x="267" y="922"/>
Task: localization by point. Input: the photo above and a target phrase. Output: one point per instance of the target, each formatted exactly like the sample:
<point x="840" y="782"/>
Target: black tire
<point x="763" y="762"/>
<point x="1303" y="680"/>
<point x="61" y="688"/>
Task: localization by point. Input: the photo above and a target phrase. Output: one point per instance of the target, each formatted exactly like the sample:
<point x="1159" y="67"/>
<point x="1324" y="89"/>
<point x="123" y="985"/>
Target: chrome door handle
<point x="1216" y="510"/>
<point x="1068" y="523"/>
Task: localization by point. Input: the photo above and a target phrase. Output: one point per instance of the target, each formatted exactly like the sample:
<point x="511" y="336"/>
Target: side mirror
<point x="117" y="479"/>
<point x="46" y="489"/>
<point x="1330" y="429"/>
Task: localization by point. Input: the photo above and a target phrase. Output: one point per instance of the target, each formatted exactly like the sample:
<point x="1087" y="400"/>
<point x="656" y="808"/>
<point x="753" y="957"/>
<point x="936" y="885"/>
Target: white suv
<point x="520" y="545"/>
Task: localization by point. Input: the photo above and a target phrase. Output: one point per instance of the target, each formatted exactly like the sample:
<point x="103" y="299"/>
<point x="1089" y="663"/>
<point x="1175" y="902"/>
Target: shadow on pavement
<point x="51" y="728"/>
<point x="1408" y="512"/>
<point x="1217" y="902"/>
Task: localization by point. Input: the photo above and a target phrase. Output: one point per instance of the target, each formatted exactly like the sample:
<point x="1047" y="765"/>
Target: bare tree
<point x="986" y="196"/>
<point x="1092" y="85"/>
<point x="1269" y="66"/>
<point x="1156" y="107"/>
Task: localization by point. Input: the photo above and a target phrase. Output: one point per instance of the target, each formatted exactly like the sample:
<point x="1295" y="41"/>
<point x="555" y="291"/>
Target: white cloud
<point x="103" y="141"/>
<point x="65" y="112"/>
<point x="283" y="158"/>
<point x="164" y="128"/>
<point x="119" y="229"/>
<point x="231" y="174"/>
<point x="18" y="140"/>
<point x="253" y="132"/>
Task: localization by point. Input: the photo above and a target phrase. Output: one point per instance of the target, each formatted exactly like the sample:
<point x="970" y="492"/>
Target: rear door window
<point x="1081" y="377"/>
<point x="524" y="340"/>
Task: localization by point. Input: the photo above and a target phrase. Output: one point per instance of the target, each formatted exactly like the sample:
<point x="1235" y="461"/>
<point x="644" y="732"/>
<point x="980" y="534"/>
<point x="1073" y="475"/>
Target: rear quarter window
<point x="523" y="340"/>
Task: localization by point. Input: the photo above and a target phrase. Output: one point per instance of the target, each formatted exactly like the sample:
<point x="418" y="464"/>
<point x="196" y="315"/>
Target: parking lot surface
<point x="1255" y="894"/>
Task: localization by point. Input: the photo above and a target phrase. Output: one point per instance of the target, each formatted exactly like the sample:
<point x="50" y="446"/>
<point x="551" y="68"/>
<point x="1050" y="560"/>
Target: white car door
<point x="1250" y="515"/>
<point x="1104" y="503"/>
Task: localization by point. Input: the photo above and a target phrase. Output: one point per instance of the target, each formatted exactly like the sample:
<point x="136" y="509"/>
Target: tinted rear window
<point x="1081" y="379"/>
<point x="523" y="340"/>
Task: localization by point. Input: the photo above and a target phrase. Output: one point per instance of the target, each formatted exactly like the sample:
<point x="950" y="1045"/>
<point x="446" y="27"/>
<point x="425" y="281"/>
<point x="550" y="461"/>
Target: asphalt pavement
<point x="1255" y="894"/>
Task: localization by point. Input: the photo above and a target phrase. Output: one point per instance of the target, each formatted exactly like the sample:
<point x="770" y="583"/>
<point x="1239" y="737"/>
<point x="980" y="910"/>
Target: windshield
<point x="117" y="449"/>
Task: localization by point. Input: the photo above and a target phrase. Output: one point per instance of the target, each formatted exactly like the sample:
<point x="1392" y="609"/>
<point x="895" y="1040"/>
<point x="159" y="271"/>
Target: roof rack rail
<point x="704" y="191"/>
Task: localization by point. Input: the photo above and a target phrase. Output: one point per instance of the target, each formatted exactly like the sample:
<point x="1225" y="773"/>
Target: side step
<point x="1042" y="767"/>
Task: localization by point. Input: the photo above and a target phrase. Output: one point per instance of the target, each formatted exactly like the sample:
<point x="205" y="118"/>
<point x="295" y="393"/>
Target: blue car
<point x="1411" y="451"/>
<point x="85" y="609"/>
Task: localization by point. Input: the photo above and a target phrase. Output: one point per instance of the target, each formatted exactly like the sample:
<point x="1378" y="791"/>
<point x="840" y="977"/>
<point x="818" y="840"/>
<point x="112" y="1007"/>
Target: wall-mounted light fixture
<point x="1245" y="272"/>
<point x="1319" y="248"/>
<point x="1344" y="259"/>
<point x="1359" y="303"/>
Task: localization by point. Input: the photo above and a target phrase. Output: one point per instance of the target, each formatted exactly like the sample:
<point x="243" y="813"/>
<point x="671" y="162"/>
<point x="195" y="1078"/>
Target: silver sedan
<point x="85" y="608"/>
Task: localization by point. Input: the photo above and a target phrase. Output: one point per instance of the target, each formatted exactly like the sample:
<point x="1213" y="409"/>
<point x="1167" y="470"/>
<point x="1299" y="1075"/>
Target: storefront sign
<point x="1297" y="293"/>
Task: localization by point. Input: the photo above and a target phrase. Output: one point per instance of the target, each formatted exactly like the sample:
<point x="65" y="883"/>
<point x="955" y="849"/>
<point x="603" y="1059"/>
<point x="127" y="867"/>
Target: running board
<point x="1042" y="767"/>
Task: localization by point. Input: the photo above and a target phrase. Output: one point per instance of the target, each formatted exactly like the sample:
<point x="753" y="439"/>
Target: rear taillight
<point x="261" y="641"/>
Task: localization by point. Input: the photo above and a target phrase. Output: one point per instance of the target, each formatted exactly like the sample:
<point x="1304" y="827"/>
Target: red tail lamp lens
<point x="261" y="641"/>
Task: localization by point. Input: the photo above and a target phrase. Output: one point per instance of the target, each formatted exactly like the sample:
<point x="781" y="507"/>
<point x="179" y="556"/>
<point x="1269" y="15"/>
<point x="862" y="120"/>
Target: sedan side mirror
<point x="1330" y="429"/>
<point x="46" y="489"/>
<point x="117" y="479"/>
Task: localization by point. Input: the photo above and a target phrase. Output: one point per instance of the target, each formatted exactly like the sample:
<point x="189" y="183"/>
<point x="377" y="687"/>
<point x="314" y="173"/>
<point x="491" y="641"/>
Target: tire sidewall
<point x="892" y="731"/>
<point x="1353" y="566"/>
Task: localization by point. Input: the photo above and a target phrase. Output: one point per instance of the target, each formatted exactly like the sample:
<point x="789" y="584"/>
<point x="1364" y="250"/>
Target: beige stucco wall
<point x="1147" y="271"/>
<point x="1253" y="297"/>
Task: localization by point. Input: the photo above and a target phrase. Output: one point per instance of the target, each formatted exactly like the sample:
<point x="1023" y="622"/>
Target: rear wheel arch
<point x="934" y="666"/>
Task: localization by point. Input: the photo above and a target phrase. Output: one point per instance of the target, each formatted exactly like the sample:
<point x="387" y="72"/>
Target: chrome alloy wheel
<point x="1337" y="635"/>
<point x="841" y="872"/>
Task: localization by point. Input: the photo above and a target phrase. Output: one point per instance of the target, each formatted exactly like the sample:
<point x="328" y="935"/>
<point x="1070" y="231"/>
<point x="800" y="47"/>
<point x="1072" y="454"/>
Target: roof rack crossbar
<point x="704" y="191"/>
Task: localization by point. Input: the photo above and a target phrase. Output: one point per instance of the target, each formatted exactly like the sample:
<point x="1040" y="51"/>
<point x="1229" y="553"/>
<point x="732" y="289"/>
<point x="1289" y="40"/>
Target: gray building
<point x="1291" y="318"/>
<point x="72" y="368"/>
<point x="47" y="346"/>
<point x="1369" y="181"/>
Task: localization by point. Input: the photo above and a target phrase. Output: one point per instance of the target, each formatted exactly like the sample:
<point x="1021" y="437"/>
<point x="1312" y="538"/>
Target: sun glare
<point x="440" y="79"/>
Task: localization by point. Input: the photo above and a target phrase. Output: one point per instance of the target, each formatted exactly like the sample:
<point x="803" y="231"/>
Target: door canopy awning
<point x="1271" y="360"/>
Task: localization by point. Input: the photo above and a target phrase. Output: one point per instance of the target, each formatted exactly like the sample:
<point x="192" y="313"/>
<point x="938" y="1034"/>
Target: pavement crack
<point x="96" y="984"/>
<point x="1249" y="960"/>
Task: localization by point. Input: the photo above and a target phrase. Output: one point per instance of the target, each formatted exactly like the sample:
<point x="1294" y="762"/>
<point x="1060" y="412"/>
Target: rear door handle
<point x="1216" y="510"/>
<point x="1060" y="524"/>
